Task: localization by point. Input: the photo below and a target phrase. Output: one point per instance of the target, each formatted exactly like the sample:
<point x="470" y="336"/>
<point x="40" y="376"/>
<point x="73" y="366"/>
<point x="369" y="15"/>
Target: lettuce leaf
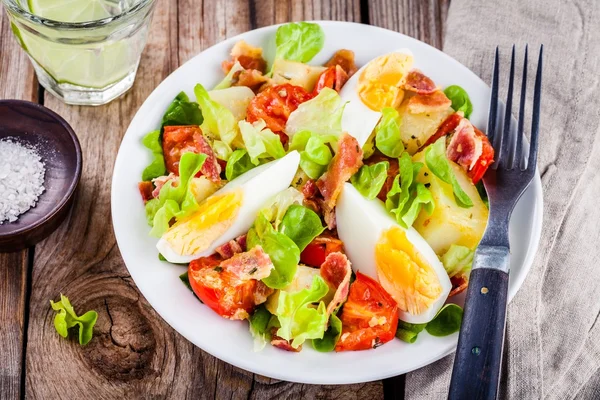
<point x="282" y="250"/>
<point x="321" y="115"/>
<point x="460" y="99"/>
<point x="446" y="322"/>
<point x="406" y="198"/>
<point x="67" y="318"/>
<point x="458" y="260"/>
<point x="182" y="111"/>
<point x="219" y="122"/>
<point x="301" y="224"/>
<point x="370" y="179"/>
<point x="315" y="154"/>
<point x="277" y="207"/>
<point x="228" y="80"/>
<point x="299" y="41"/>
<point x="260" y="141"/>
<point x="222" y="150"/>
<point x="238" y="164"/>
<point x="438" y="164"/>
<point x="331" y="336"/>
<point x="259" y="322"/>
<point x="175" y="201"/>
<point x="157" y="167"/>
<point x="299" y="319"/>
<point x="408" y="332"/>
<point x="387" y="133"/>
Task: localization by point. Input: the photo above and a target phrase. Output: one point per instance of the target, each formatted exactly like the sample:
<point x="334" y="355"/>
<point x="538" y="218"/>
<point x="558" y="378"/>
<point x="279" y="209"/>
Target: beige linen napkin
<point x="552" y="347"/>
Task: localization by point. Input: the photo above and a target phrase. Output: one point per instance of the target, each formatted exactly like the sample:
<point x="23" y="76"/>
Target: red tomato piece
<point x="222" y="290"/>
<point x="275" y="104"/>
<point x="369" y="317"/>
<point x="484" y="161"/>
<point x="146" y="188"/>
<point x="182" y="139"/>
<point x="447" y="127"/>
<point x="333" y="77"/>
<point x="317" y="251"/>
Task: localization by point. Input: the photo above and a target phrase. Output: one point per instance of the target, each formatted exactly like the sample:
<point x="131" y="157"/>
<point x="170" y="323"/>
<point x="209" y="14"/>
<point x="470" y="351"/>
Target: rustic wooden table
<point x="134" y="353"/>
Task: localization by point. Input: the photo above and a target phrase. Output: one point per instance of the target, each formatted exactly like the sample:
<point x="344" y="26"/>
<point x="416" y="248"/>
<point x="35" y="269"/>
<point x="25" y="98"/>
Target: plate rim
<point x="535" y="236"/>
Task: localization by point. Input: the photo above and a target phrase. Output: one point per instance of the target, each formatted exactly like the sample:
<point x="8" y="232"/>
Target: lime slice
<point x="72" y="10"/>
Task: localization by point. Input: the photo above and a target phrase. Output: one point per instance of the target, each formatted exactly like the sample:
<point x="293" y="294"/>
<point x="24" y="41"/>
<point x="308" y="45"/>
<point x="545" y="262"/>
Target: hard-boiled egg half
<point x="375" y="86"/>
<point x="228" y="213"/>
<point x="402" y="261"/>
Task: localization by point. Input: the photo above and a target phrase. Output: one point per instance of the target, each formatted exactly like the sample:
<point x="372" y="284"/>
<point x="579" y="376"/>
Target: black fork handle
<point x="478" y="359"/>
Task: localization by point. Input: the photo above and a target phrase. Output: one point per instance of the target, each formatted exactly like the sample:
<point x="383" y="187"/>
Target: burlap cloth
<point x="552" y="347"/>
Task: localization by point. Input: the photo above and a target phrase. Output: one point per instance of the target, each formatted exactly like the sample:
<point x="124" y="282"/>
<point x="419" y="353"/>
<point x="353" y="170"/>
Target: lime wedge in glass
<point x="79" y="61"/>
<point x="73" y="10"/>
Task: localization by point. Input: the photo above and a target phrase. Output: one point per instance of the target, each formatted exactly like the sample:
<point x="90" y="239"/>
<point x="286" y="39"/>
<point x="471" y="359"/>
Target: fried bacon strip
<point x="248" y="56"/>
<point x="336" y="271"/>
<point x="344" y="164"/>
<point x="345" y="59"/>
<point x="419" y="83"/>
<point x="466" y="146"/>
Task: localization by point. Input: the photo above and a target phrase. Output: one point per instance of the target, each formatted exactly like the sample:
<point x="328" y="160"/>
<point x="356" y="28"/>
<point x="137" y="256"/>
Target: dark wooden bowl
<point x="57" y="145"/>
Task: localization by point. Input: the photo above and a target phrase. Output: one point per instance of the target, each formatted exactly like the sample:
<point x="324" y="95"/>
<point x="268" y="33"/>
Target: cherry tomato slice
<point x="216" y="288"/>
<point x="326" y="79"/>
<point x="275" y="104"/>
<point x="317" y="251"/>
<point x="369" y="317"/>
<point x="485" y="159"/>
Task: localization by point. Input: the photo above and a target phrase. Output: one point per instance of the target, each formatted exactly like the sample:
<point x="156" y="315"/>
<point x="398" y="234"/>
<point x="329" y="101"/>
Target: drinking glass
<point x="85" y="63"/>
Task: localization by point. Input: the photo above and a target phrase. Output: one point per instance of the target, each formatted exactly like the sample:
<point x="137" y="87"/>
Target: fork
<point x="476" y="372"/>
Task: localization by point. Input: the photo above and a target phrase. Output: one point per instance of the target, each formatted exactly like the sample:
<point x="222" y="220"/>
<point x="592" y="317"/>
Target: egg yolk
<point x="380" y="83"/>
<point x="404" y="273"/>
<point x="197" y="232"/>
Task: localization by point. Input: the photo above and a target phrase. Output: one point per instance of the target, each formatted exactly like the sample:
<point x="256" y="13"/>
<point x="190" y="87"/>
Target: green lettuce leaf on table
<point x="299" y="41"/>
<point x="157" y="167"/>
<point x="182" y="111"/>
<point x="175" y="201"/>
<point x="67" y="318"/>
<point x="238" y="164"/>
<point x="260" y="141"/>
<point x="228" y="80"/>
<point x="460" y="99"/>
<point x="321" y="115"/>
<point x="219" y="123"/>
<point x="315" y="152"/>
<point x="301" y="224"/>
<point x="407" y="197"/>
<point x="370" y="179"/>
<point x="438" y="164"/>
<point x="458" y="260"/>
<point x="299" y="319"/>
<point x="282" y="251"/>
<point x="387" y="133"/>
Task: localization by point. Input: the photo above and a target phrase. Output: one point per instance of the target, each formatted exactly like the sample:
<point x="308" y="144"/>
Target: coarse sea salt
<point x="21" y="179"/>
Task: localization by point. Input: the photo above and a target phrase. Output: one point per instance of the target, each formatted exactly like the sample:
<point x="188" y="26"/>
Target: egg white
<point x="360" y="224"/>
<point x="257" y="185"/>
<point x="358" y="119"/>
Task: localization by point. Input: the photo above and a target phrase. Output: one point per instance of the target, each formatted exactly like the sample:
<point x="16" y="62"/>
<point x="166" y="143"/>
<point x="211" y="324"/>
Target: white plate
<point x="230" y="340"/>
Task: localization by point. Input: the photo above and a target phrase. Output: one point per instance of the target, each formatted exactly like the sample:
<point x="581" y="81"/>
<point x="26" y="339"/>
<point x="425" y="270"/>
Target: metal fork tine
<point x="491" y="128"/>
<point x="535" y="120"/>
<point x="504" y="140"/>
<point x="519" y="160"/>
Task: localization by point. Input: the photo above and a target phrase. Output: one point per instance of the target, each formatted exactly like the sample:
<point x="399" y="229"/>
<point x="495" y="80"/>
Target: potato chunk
<point x="415" y="129"/>
<point x="449" y="223"/>
<point x="296" y="73"/>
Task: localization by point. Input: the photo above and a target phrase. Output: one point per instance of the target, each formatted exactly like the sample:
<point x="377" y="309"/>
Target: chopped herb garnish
<point x="253" y="270"/>
<point x="218" y="268"/>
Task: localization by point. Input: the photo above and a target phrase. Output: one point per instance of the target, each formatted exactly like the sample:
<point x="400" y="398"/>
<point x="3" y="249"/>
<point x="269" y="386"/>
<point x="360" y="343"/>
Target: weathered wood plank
<point x="17" y="81"/>
<point x="424" y="20"/>
<point x="134" y="354"/>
